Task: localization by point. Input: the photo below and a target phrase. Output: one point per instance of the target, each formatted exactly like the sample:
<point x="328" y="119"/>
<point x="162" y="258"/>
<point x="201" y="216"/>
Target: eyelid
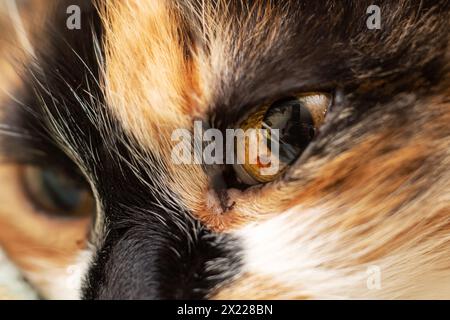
<point x="330" y="93"/>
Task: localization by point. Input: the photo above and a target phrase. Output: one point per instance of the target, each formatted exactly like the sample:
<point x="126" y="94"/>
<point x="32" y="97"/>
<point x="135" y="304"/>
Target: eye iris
<point x="296" y="120"/>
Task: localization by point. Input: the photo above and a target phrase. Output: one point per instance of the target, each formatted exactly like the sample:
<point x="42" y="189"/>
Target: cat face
<point x="93" y="204"/>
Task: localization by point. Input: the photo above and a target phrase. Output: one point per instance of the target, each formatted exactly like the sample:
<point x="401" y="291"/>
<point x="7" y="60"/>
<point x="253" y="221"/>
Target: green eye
<point x="56" y="193"/>
<point x="296" y="120"/>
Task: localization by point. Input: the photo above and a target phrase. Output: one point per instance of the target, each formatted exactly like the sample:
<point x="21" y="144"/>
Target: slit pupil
<point x="295" y="124"/>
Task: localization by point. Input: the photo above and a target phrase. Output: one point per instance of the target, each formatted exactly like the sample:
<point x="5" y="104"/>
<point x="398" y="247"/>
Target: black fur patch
<point x="151" y="249"/>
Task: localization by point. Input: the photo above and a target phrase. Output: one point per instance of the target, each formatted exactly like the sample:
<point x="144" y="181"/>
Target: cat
<point x="93" y="205"/>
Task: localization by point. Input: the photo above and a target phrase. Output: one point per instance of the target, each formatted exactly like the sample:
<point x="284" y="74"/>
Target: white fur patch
<point x="12" y="284"/>
<point x="293" y="250"/>
<point x="61" y="283"/>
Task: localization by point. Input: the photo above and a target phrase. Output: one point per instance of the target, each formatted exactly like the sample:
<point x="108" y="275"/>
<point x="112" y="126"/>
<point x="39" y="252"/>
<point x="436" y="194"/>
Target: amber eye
<point x="55" y="193"/>
<point x="285" y="127"/>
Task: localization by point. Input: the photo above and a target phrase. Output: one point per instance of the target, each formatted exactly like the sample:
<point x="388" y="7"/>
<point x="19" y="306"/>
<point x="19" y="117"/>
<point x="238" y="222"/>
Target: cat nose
<point x="152" y="259"/>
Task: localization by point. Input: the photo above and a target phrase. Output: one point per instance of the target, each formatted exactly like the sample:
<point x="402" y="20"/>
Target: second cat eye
<point x="284" y="128"/>
<point x="56" y="193"/>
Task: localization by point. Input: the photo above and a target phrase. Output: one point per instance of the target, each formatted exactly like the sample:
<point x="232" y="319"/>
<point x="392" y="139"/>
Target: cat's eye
<point x="285" y="128"/>
<point x="57" y="193"/>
